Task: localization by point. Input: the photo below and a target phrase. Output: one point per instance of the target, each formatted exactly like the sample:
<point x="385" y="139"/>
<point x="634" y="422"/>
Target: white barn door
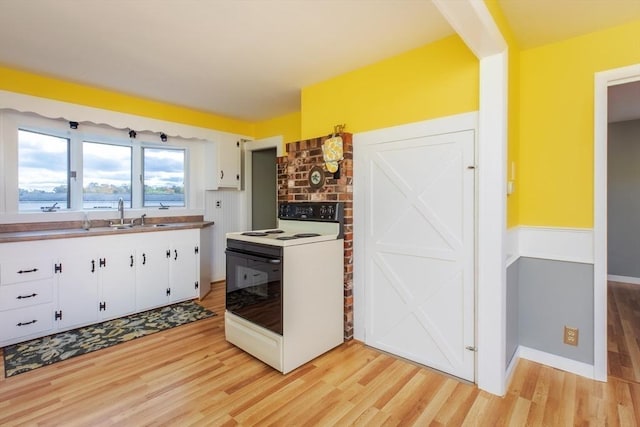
<point x="418" y="260"/>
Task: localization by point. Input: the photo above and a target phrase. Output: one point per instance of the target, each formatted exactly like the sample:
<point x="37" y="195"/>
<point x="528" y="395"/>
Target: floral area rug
<point x="29" y="355"/>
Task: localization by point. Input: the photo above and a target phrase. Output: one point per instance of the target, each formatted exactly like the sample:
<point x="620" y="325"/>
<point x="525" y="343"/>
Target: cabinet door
<point x="117" y="283"/>
<point x="183" y="266"/>
<point x="78" y="290"/>
<point x="152" y="276"/>
<point x="226" y="153"/>
<point x="229" y="161"/>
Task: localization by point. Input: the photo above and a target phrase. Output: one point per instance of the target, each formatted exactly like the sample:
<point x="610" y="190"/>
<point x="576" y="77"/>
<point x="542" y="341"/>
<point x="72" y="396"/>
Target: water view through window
<point x="163" y="177"/>
<point x="43" y="177"/>
<point x="106" y="175"/>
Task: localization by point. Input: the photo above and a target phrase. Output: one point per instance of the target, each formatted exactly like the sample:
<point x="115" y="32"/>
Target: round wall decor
<point x="316" y="177"/>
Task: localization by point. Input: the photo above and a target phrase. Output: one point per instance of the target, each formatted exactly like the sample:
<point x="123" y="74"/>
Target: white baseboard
<point x="559" y="362"/>
<point x="624" y="279"/>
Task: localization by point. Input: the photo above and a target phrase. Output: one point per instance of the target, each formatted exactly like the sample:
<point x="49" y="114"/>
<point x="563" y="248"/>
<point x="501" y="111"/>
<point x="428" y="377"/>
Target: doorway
<point x="261" y="183"/>
<point x="264" y="194"/>
<point x="623" y="230"/>
<point x="603" y="81"/>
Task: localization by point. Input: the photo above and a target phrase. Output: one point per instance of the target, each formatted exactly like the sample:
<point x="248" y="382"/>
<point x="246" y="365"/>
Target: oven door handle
<point x="253" y="257"/>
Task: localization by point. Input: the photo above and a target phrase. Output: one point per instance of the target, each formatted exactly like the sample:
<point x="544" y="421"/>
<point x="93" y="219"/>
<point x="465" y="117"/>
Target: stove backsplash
<point x="293" y="185"/>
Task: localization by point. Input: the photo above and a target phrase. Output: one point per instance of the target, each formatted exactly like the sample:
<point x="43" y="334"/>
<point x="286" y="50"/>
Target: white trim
<point x="473" y="22"/>
<point x="602" y="81"/>
<point x="492" y="224"/>
<point x="561" y="244"/>
<point x="624" y="279"/>
<point x="512" y="246"/>
<point x="80" y="113"/>
<point x="558" y="362"/>
<point x="512" y="365"/>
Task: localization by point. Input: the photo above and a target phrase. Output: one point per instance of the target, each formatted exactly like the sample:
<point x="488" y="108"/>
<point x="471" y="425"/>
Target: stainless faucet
<point x="121" y="210"/>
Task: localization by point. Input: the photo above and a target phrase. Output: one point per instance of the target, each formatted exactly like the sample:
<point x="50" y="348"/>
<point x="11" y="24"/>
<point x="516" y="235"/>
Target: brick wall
<point x="293" y="185"/>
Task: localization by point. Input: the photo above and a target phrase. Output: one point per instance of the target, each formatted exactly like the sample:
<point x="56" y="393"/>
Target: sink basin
<point x="120" y="226"/>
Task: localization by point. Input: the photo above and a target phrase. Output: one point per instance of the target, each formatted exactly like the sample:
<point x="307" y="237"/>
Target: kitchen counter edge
<point x="26" y="236"/>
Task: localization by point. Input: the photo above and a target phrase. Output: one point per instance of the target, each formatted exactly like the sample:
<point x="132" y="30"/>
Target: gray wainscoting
<point x="542" y="297"/>
<point x="623" y="198"/>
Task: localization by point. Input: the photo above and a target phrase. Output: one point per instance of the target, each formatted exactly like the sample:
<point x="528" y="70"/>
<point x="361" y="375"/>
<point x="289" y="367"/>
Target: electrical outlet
<point x="570" y="335"/>
<point x="218" y="203"/>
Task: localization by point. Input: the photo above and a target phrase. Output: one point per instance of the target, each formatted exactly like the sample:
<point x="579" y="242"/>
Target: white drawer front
<point x="25" y="269"/>
<point x="25" y="321"/>
<point x="26" y="294"/>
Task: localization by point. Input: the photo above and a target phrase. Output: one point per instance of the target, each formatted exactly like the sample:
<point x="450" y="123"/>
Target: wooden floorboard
<point x="190" y="376"/>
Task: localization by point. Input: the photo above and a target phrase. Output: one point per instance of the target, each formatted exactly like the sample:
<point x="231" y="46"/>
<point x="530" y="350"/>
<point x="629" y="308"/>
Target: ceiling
<point x="248" y="59"/>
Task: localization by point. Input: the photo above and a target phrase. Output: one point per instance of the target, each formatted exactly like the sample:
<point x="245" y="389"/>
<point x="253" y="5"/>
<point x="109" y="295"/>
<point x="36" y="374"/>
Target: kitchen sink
<point x="120" y="226"/>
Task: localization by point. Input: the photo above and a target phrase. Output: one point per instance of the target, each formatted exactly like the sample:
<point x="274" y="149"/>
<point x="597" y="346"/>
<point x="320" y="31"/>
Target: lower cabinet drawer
<point x="26" y="294"/>
<point x="24" y="322"/>
<point x="25" y="269"/>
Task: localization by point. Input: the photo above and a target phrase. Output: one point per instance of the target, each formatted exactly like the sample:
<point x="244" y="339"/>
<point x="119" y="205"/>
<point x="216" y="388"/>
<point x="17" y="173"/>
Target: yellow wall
<point x="46" y="87"/>
<point x="555" y="173"/>
<point x="435" y="80"/>
<point x="288" y="126"/>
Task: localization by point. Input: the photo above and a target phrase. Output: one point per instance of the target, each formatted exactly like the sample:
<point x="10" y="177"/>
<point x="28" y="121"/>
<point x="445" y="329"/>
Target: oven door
<point x="254" y="285"/>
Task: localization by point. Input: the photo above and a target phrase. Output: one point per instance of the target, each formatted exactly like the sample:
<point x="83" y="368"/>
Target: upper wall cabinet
<point x="227" y="152"/>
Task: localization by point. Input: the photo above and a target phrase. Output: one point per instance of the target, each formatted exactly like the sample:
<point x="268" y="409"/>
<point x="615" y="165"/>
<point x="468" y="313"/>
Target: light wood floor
<point x="623" y="333"/>
<point x="191" y="376"/>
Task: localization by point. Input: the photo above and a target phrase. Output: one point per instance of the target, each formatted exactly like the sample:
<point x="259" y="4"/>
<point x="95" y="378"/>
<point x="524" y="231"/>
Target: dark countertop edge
<point x="28" y="236"/>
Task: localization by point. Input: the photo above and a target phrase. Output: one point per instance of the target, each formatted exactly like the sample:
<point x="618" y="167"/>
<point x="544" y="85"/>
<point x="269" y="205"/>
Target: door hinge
<point x="168" y="253"/>
<point x="168" y="291"/>
<point x="57" y="268"/>
<point x="471" y="348"/>
<point x="102" y="262"/>
<point x="197" y="250"/>
<point x="197" y="285"/>
<point x="57" y="315"/>
<point x="102" y="306"/>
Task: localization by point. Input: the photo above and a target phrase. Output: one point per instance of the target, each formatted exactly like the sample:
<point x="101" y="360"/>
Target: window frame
<point x="10" y="122"/>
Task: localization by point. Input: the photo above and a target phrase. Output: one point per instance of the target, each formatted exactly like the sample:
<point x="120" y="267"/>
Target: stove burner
<point x="254" y="233"/>
<point x="274" y="231"/>
<point x="300" y="235"/>
<point x="286" y="238"/>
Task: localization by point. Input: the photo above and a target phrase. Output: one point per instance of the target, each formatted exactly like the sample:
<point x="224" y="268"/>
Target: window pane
<point x="163" y="177"/>
<point x="106" y="175"/>
<point x="43" y="177"/>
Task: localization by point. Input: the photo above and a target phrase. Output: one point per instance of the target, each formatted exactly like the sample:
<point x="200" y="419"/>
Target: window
<point x="55" y="167"/>
<point x="163" y="177"/>
<point x="106" y="175"/>
<point x="43" y="165"/>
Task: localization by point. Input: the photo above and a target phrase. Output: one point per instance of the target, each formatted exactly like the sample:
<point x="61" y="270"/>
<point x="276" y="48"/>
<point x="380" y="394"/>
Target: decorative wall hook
<point x="163" y="137"/>
<point x="73" y="125"/>
<point x="132" y="134"/>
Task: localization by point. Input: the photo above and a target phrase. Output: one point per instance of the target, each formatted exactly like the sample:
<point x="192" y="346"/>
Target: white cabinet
<point x="152" y="274"/>
<point x="117" y="280"/>
<point x="49" y="286"/>
<point x="77" y="302"/>
<point x="27" y="299"/>
<point x="168" y="269"/>
<point x="184" y="273"/>
<point x="226" y="171"/>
